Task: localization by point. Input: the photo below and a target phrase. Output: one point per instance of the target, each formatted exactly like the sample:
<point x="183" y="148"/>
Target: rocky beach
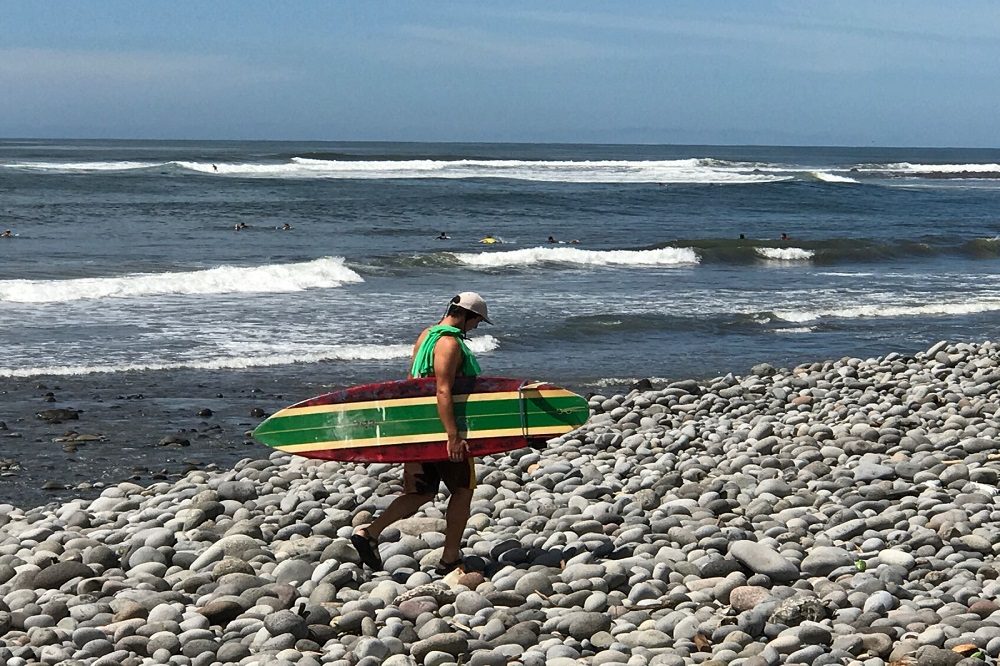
<point x="839" y="512"/>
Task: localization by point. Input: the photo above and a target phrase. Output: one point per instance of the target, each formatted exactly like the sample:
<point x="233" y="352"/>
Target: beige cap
<point x="473" y="302"/>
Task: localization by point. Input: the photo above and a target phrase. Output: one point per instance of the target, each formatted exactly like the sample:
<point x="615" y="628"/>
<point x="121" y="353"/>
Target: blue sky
<point x="889" y="73"/>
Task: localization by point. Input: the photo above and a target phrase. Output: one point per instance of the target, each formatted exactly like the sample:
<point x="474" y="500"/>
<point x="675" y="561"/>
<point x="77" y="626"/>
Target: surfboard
<point x="398" y="421"/>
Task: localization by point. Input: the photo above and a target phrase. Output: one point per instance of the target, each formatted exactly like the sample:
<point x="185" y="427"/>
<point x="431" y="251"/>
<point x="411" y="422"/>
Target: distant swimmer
<point x="785" y="237"/>
<point x="7" y="234"/>
<point x="743" y="236"/>
<point x="240" y="226"/>
<point x="215" y="168"/>
<point x="443" y="236"/>
<point x="552" y="240"/>
<point x="286" y="227"/>
<point x="490" y="239"/>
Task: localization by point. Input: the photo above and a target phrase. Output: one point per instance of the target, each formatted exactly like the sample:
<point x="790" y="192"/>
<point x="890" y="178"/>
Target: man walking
<point x="440" y="351"/>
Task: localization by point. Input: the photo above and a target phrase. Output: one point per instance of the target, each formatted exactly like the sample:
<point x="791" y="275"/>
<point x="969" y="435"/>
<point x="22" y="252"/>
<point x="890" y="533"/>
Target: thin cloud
<point x="457" y="44"/>
<point x="795" y="21"/>
<point x="24" y="67"/>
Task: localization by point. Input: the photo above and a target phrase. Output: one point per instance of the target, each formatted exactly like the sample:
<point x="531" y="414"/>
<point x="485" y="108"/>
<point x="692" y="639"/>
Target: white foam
<point x="939" y="168"/>
<point x="693" y="170"/>
<point x="884" y="310"/>
<point x="237" y="361"/>
<point x="324" y="273"/>
<point x="831" y="177"/>
<point x="81" y="166"/>
<point x="785" y="253"/>
<point x="584" y="171"/>
<point x="625" y="381"/>
<point x="671" y="256"/>
<point x="603" y="171"/>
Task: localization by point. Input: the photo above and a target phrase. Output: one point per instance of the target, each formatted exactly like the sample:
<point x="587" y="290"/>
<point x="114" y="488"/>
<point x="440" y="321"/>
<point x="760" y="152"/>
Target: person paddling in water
<point x="440" y="351"/>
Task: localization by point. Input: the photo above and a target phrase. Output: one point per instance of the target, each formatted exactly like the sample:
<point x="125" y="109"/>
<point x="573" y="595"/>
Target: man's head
<point x="469" y="308"/>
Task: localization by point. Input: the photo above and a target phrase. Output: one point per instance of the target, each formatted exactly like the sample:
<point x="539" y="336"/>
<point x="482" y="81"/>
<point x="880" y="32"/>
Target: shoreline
<point x="132" y="426"/>
<point x="842" y="511"/>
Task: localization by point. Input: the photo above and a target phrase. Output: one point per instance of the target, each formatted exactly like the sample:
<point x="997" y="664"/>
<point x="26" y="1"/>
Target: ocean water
<point x="126" y="258"/>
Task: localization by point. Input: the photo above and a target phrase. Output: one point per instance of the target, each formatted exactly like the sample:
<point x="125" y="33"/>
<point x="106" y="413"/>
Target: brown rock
<point x="745" y="597"/>
<point x="984" y="608"/>
<point x="222" y="611"/>
<point x="471" y="580"/>
<point x="127" y="609"/>
<point x="413" y="608"/>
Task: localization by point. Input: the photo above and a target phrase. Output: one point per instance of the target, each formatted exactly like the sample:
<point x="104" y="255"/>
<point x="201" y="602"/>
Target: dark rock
<point x="232" y="652"/>
<point x="205" y="413"/>
<point x="583" y="624"/>
<point x="174" y="440"/>
<point x="58" y="415"/>
<point x="240" y="491"/>
<point x="55" y="576"/>
<point x="286" y="622"/>
<point x="198" y="647"/>
<point x="930" y="655"/>
<point x="222" y="611"/>
<point x="721" y="567"/>
<point x="642" y="385"/>
<point x="136" y="644"/>
<point x="505" y="598"/>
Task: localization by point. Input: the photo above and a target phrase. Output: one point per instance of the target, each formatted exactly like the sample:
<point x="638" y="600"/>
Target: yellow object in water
<point x="489" y="240"/>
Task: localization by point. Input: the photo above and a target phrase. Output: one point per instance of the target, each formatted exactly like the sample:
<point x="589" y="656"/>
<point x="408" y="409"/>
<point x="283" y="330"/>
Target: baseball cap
<point x="473" y="302"/>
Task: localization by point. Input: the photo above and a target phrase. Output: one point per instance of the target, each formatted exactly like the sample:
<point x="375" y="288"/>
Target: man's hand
<point x="458" y="449"/>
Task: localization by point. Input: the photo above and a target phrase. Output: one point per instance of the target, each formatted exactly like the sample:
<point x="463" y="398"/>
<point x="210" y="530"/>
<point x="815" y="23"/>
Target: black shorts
<point x="426" y="478"/>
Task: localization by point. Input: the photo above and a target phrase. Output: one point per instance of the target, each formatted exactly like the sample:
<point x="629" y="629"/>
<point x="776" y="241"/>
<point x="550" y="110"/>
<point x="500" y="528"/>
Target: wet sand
<point x="123" y="423"/>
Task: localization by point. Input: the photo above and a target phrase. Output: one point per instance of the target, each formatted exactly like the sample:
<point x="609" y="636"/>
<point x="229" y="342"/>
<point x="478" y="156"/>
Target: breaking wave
<point x="884" y="310"/>
<point x="831" y="177"/>
<point x="324" y="273"/>
<point x="480" y="345"/>
<point x="785" y="253"/>
<point x="573" y="256"/>
<point x="695" y="170"/>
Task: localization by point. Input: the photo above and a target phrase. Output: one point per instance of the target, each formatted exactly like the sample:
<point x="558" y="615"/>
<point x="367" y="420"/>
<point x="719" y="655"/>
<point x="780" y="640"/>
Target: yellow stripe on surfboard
<point x="420" y="439"/>
<point x="424" y="400"/>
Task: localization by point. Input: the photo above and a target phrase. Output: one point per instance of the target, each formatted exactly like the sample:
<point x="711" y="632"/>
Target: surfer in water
<point x="443" y="236"/>
<point x="440" y="351"/>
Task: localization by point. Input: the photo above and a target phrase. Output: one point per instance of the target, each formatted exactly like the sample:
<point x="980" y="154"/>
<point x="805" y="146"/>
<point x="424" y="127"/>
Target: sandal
<point x="367" y="548"/>
<point x="445" y="568"/>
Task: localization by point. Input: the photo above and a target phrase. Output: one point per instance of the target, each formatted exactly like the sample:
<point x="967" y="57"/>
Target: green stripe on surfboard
<point x="568" y="412"/>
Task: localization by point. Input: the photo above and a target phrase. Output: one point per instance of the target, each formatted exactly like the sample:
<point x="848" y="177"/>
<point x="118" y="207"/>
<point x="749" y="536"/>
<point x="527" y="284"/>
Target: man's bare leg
<point x="403" y="506"/>
<point x="457" y="518"/>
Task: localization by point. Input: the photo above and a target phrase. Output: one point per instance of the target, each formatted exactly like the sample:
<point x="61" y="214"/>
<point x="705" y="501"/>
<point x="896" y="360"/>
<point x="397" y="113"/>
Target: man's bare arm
<point x="447" y="359"/>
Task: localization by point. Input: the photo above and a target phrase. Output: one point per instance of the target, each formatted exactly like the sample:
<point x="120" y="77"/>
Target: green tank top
<point x="423" y="360"/>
